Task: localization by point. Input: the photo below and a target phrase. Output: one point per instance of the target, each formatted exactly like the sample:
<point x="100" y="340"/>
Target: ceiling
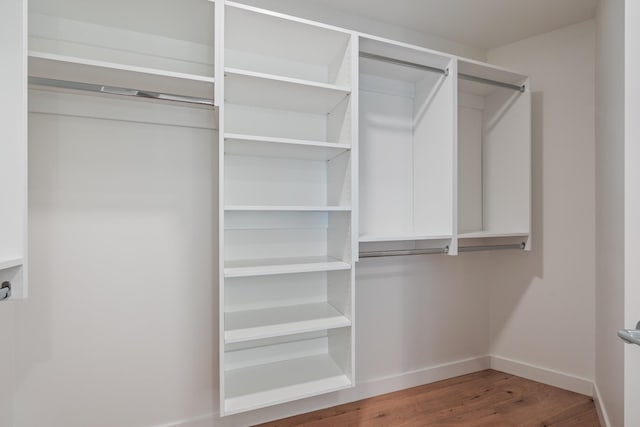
<point x="480" y="23"/>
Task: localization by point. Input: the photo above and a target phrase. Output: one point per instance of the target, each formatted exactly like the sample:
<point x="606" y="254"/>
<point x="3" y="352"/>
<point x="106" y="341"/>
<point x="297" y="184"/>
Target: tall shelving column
<point x="286" y="207"/>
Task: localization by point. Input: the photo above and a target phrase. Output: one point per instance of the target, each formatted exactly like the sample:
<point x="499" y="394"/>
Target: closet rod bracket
<point x="5" y="291"/>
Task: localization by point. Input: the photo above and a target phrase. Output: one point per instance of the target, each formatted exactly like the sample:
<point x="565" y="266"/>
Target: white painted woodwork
<point x="287" y="191"/>
<point x="281" y="321"/>
<point x="282" y="265"/>
<point x="180" y="40"/>
<point x="406" y="146"/>
<point x="13" y="148"/>
<point x="287" y="182"/>
<point x="286" y="148"/>
<point x="61" y="67"/>
<point x="267" y="208"/>
<point x="494" y="154"/>
<point x="285" y="46"/>
<point x="280" y="93"/>
<point x="278" y="371"/>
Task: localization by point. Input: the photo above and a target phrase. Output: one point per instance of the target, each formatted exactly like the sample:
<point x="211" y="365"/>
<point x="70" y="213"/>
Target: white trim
<point x="199" y="421"/>
<point x="287" y="17"/>
<point x="363" y="390"/>
<point x="600" y="409"/>
<point x="391" y="383"/>
<point x="543" y="375"/>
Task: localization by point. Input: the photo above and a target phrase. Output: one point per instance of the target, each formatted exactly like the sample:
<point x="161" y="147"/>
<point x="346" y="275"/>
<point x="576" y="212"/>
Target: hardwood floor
<point x="483" y="399"/>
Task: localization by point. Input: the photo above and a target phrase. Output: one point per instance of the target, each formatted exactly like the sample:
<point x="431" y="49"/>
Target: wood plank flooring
<point x="482" y="399"/>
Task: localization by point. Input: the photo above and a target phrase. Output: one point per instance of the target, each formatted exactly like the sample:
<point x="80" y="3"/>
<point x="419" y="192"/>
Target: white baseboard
<point x="543" y="375"/>
<point x="363" y="390"/>
<point x="419" y="377"/>
<point x="388" y="384"/>
<point x="602" y="411"/>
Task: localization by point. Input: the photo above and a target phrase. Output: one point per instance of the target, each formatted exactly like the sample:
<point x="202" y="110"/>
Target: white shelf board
<point x="260" y="146"/>
<point x="267" y="208"/>
<point x="305" y="41"/>
<point x="487" y="234"/>
<point x="280" y="321"/>
<point x="255" y="387"/>
<point x="11" y="263"/>
<point x="282" y="93"/>
<point x="271" y="266"/>
<point x="366" y="238"/>
<point x="61" y="67"/>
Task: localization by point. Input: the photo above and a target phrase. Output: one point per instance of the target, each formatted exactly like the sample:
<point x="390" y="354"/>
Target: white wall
<point x="632" y="211"/>
<point x="119" y="329"/>
<point x="610" y="235"/>
<point x="542" y="304"/>
<point x="7" y="362"/>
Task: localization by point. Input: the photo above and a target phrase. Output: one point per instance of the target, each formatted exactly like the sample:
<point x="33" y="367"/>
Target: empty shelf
<point x="365" y="238"/>
<point x="280" y="321"/>
<point x="281" y="93"/>
<point x="268" y="208"/>
<point x="487" y="234"/>
<point x="248" y="145"/>
<point x="270" y="266"/>
<point x="60" y="67"/>
<point x="11" y="263"/>
<point x="269" y="384"/>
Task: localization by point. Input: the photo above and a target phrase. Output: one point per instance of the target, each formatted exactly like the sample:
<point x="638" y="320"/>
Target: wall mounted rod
<point x="444" y="71"/>
<point x="519" y="88"/>
<point x="491" y="247"/>
<point x="112" y="90"/>
<point x="405" y="252"/>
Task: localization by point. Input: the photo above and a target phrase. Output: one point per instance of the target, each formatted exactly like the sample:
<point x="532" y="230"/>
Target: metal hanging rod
<point x="491" y="247"/>
<point x="405" y="252"/>
<point x="519" y="88"/>
<point x="404" y="63"/>
<point x="112" y="90"/>
<point x="445" y="71"/>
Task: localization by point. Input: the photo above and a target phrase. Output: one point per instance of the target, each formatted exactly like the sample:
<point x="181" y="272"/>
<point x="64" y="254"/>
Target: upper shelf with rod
<point x="116" y="44"/>
<point x="45" y="67"/>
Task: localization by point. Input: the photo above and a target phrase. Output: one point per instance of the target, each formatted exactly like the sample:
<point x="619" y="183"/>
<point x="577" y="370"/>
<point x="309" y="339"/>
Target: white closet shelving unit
<point x="406" y="143"/>
<point x="494" y="154"/>
<point x="445" y="150"/>
<point x="286" y="289"/>
<point x="322" y="132"/>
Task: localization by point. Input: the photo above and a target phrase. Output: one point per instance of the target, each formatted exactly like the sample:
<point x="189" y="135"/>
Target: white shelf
<point x="366" y="238"/>
<point x="281" y="93"/>
<point x="248" y="145"/>
<point x="270" y="266"/>
<point x="11" y="263"/>
<point x="267" y="208"/>
<point x="487" y="234"/>
<point x="280" y="321"/>
<point x="61" y="67"/>
<point x="284" y="45"/>
<point x="270" y="384"/>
